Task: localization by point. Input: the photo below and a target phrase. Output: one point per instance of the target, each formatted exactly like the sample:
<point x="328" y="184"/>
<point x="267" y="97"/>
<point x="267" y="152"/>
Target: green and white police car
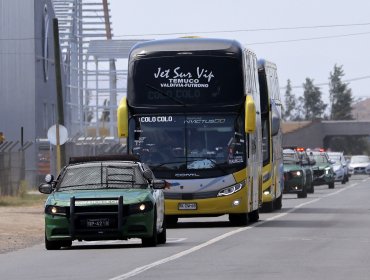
<point x="323" y="172"/>
<point x="104" y="198"/>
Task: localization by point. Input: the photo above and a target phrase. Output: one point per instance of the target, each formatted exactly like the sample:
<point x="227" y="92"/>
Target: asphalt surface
<point x="324" y="236"/>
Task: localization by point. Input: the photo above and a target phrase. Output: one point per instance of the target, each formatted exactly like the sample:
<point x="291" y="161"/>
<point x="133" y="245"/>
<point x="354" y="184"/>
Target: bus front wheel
<point x="254" y="216"/>
<point x="238" y="219"/>
<point x="171" y="221"/>
<point x="279" y="202"/>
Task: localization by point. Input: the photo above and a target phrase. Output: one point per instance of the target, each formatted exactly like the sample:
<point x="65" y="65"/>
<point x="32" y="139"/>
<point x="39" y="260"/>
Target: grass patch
<point x="25" y="199"/>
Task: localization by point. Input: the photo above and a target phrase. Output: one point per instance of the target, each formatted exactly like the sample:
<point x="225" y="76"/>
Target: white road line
<point x="127" y="242"/>
<point x="175" y="240"/>
<point x="141" y="269"/>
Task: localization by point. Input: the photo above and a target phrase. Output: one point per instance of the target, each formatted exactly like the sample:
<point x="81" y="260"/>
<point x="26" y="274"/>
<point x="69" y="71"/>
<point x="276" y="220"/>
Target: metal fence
<point x="83" y="146"/>
<point x="92" y="146"/>
<point x="17" y="173"/>
<point x="12" y="167"/>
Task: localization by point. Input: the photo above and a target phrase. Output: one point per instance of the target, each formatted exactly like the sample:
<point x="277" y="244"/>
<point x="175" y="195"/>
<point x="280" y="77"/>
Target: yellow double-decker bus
<point x="272" y="170"/>
<point x="192" y="113"/>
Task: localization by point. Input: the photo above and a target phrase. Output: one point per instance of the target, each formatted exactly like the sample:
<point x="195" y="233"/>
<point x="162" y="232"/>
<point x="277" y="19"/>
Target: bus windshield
<point x="188" y="142"/>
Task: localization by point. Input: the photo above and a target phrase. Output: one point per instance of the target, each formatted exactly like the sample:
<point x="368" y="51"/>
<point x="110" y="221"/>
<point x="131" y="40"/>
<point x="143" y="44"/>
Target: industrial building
<point x="28" y="89"/>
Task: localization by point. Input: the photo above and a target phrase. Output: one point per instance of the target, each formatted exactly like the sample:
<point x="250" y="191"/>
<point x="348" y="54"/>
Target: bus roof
<point x="263" y="63"/>
<point x="183" y="45"/>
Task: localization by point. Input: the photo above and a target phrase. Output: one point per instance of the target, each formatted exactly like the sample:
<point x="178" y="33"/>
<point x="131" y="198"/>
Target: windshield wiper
<point x="165" y="94"/>
<point x="154" y="167"/>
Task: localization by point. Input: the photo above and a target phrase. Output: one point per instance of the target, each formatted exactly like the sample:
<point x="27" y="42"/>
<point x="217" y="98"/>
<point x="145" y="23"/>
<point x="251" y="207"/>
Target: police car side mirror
<point x="148" y="174"/>
<point x="159" y="184"/>
<point x="45" y="188"/>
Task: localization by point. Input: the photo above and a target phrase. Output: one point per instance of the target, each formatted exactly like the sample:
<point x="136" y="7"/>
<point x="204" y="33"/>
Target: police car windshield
<point x="101" y="175"/>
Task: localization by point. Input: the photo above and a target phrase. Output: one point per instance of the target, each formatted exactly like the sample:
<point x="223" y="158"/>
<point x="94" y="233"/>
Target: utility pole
<point x="60" y="114"/>
<point x="112" y="71"/>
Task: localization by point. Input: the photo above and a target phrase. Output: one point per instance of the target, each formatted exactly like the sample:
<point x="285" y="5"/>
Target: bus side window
<point x="248" y="146"/>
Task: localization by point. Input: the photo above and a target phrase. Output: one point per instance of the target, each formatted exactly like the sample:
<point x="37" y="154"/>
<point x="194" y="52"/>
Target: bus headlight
<point x="231" y="189"/>
<point x="267" y="191"/>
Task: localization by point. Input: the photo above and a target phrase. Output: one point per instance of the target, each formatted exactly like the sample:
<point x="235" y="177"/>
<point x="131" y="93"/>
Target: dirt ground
<point x="21" y="227"/>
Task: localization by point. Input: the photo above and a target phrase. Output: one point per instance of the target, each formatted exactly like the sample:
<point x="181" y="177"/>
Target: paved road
<point x="324" y="236"/>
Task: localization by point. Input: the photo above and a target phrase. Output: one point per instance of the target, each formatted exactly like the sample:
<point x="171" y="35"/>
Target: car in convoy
<point x="307" y="163"/>
<point x="339" y="166"/>
<point x="296" y="178"/>
<point x="359" y="164"/>
<point x="104" y="198"/>
<point x="323" y="173"/>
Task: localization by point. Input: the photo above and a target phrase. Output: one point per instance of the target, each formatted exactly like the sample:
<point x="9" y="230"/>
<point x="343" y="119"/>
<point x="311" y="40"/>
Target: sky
<point x="305" y="38"/>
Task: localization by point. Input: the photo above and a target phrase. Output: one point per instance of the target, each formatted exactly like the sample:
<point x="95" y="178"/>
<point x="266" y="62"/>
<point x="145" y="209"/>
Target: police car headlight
<point x="231" y="189"/>
<point x="297" y="173"/>
<point x="55" y="210"/>
<point x="142" y="207"/>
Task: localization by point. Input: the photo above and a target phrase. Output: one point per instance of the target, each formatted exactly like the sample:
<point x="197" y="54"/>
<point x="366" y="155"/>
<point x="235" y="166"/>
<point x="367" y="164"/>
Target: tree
<point x="299" y="116"/>
<point x="341" y="109"/>
<point x="313" y="106"/>
<point x="290" y="103"/>
<point x="340" y="96"/>
<point x="350" y="145"/>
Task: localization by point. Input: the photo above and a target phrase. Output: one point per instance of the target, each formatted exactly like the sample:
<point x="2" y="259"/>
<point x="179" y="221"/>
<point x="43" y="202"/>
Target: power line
<point x="253" y="43"/>
<point x="20" y="39"/>
<point x="248" y="30"/>
<point x="17" y="53"/>
<point x="327" y="84"/>
<point x="308" y="39"/>
<point x="242" y="30"/>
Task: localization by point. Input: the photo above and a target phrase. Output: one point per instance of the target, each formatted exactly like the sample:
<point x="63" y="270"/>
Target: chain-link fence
<point x="92" y="146"/>
<point x="12" y="167"/>
<point x="16" y="172"/>
<point x="84" y="146"/>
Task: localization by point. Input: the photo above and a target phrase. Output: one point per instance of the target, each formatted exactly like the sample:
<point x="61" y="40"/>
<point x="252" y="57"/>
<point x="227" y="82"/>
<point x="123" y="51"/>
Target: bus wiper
<point x="165" y="94"/>
<point x="218" y="165"/>
<point x="154" y="167"/>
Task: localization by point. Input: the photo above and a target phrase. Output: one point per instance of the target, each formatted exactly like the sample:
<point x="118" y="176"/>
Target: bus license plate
<point x="188" y="206"/>
<point x="97" y="222"/>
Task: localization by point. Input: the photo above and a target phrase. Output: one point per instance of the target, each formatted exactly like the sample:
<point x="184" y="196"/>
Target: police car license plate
<point x="97" y="222"/>
<point x="188" y="206"/>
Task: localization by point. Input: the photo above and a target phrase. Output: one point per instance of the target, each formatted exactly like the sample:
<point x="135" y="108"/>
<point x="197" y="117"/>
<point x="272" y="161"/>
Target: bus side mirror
<point x="250" y="115"/>
<point x="122" y="118"/>
<point x="275" y="123"/>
